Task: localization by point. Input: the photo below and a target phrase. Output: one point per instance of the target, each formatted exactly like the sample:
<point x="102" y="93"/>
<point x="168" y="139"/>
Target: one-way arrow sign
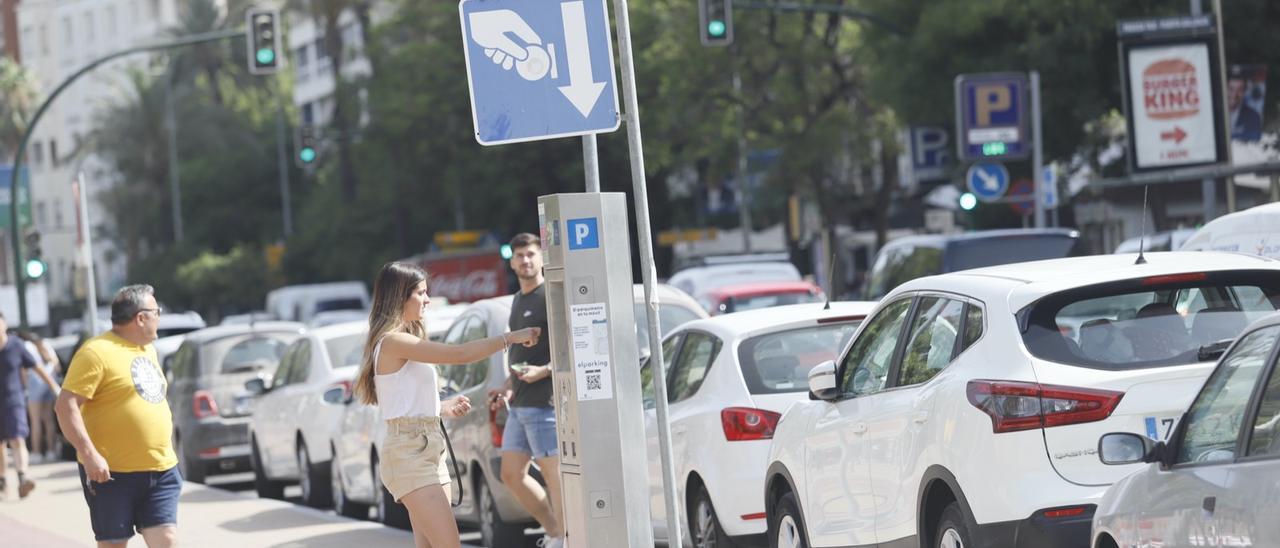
<point x="539" y="69"/>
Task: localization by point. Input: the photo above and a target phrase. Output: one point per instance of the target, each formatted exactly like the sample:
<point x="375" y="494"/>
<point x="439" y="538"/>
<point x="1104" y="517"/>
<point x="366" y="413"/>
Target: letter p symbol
<point x="989" y="99"/>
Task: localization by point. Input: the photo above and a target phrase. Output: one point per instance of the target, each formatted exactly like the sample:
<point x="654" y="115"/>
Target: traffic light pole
<point x="744" y="207"/>
<point x="19" y="278"/>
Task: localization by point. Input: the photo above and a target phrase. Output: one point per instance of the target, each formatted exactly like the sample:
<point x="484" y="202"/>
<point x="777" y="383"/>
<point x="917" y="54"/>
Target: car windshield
<point x="345" y="350"/>
<point x="1149" y="323"/>
<point x="259" y="352"/>
<point x="779" y="362"/>
<point x="670" y="316"/>
<point x="738" y="304"/>
<point x="981" y="252"/>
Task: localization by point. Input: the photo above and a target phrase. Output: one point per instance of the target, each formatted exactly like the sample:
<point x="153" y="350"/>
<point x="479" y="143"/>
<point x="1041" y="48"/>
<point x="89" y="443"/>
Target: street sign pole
<point x="1209" y="194"/>
<point x="744" y="208"/>
<point x="1226" y="115"/>
<point x="591" y="162"/>
<point x="81" y="191"/>
<point x="1037" y="154"/>
<point x="644" y="237"/>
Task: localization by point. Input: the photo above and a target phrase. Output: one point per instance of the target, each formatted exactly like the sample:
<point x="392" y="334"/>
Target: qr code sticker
<point x="593" y="381"/>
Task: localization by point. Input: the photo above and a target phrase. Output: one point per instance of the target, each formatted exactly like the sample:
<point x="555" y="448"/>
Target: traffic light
<point x="716" y="17"/>
<point x="308" y="147"/>
<point x="968" y="201"/>
<point x="35" y="266"/>
<point x="505" y="251"/>
<point x="264" y="41"/>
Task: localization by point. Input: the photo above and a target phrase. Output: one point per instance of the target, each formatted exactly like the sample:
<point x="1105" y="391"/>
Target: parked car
<point x="906" y="259"/>
<point x="299" y="303"/>
<point x="740" y="297"/>
<point x="289" y="434"/>
<point x="729" y="380"/>
<point x="698" y="280"/>
<point x="211" y="409"/>
<point x="1252" y="231"/>
<point x="1169" y="240"/>
<point x="477" y="437"/>
<point x="173" y="323"/>
<point x="1214" y="482"/>
<point x="965" y="413"/>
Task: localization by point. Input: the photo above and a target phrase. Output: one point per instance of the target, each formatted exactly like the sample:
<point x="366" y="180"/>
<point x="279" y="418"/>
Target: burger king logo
<point x="1169" y="90"/>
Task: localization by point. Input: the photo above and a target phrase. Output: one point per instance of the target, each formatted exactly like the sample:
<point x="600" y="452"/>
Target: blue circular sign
<point x="988" y="181"/>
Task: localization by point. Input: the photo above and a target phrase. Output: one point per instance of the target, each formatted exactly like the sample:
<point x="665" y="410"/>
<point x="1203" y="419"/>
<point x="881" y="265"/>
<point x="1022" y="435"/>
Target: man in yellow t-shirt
<point x="113" y="410"/>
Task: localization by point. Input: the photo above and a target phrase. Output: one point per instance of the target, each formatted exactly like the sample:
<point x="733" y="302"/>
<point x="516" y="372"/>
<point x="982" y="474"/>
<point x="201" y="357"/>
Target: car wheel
<point x="191" y="470"/>
<point x="341" y="505"/>
<point x="390" y="512"/>
<point x="953" y="531"/>
<point x="494" y="532"/>
<point x="786" y="526"/>
<point x="313" y="480"/>
<point x="266" y="488"/>
<point x="705" y="530"/>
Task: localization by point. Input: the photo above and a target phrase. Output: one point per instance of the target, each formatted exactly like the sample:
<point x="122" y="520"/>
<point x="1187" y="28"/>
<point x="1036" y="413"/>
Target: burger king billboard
<point x="1173" y="99"/>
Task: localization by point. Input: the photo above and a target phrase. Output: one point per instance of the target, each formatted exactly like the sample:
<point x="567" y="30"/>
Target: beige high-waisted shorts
<point x="412" y="455"/>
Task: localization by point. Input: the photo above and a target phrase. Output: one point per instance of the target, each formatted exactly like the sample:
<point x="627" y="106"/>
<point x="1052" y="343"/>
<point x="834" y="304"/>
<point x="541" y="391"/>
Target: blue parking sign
<point x="583" y="233"/>
<point x="991" y="116"/>
<point x="539" y="69"/>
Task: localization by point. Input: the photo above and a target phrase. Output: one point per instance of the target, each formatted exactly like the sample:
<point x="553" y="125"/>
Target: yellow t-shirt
<point x="126" y="416"/>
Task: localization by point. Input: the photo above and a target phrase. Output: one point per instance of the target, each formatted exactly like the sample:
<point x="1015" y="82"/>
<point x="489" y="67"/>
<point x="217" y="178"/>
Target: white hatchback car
<point x="967" y="409"/>
<point x="1214" y="483"/>
<point x="729" y="380"/>
<point x="289" y="432"/>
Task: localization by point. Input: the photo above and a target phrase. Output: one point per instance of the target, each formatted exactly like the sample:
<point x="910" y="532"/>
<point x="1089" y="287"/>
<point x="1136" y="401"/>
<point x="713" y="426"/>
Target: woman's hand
<point x="535" y="373"/>
<point x="527" y="336"/>
<point x="455" y="407"/>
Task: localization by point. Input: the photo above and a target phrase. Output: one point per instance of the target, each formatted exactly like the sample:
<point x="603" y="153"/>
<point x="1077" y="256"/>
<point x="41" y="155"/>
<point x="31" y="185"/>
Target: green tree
<point x="18" y="100"/>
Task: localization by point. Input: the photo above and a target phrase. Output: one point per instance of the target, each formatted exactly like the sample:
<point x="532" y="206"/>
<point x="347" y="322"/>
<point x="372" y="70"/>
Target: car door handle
<point x="1209" y="505"/>
<point x="860" y="428"/>
<point x="920" y="418"/>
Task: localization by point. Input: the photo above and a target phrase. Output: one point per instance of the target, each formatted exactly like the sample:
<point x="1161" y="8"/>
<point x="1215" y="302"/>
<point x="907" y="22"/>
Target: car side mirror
<point x="1119" y="448"/>
<point x="336" y="395"/>
<point x="822" y="381"/>
<point x="256" y="386"/>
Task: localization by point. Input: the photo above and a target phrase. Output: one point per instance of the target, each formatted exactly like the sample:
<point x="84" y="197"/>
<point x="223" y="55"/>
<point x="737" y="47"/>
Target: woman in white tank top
<point x="395" y="375"/>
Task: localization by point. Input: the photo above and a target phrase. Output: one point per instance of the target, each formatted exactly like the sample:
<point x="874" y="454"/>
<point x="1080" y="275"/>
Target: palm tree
<point x="18" y="99"/>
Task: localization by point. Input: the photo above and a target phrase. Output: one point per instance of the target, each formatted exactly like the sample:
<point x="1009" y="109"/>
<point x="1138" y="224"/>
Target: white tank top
<point x="410" y="392"/>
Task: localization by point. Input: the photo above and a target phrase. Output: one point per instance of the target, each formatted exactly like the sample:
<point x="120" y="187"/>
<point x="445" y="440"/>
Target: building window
<point x="57" y="214"/>
<point x="41" y="218"/>
<point x="37" y="153"/>
<point x="28" y="40"/>
<point x="68" y="32"/>
<point x="308" y="114"/>
<point x="44" y="40"/>
<point x="111" y="22"/>
<point x="88" y="27"/>
<point x="154" y="10"/>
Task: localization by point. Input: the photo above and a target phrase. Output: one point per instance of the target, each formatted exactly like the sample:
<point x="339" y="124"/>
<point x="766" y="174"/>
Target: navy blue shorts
<point x="131" y="501"/>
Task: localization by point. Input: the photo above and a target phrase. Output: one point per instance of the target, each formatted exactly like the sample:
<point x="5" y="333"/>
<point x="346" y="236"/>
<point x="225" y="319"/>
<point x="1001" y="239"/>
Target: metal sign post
<point x="85" y="233"/>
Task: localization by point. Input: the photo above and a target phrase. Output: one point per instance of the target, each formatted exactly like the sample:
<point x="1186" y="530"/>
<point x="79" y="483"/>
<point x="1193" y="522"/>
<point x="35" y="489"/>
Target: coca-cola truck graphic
<point x="465" y="276"/>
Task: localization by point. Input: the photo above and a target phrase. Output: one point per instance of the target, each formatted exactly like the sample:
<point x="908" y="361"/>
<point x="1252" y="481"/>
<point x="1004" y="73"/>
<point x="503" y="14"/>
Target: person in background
<point x="395" y="374"/>
<point x="14" y="429"/>
<point x="40" y="396"/>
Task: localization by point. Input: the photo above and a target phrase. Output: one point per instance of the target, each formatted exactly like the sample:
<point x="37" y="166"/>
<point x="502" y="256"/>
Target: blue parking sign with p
<point x="991" y="116"/>
<point x="583" y="233"/>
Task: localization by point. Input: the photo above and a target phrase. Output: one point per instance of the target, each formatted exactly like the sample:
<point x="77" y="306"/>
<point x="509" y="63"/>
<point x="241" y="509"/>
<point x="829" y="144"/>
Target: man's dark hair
<point x="525" y="239"/>
<point x="128" y="302"/>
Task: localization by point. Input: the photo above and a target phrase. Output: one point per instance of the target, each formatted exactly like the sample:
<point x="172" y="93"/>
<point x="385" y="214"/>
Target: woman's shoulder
<point x="399" y="339"/>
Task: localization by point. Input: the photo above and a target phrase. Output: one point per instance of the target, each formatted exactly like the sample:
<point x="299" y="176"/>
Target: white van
<point x="299" y="303"/>
<point x="1254" y="231"/>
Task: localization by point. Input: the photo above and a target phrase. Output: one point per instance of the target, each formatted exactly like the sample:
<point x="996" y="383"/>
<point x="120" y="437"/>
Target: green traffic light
<point x="35" y="268"/>
<point x="994" y="149"/>
<point x="266" y="56"/>
<point x="968" y="201"/>
<point x="505" y="251"/>
<point x="716" y="28"/>
<point x="307" y="155"/>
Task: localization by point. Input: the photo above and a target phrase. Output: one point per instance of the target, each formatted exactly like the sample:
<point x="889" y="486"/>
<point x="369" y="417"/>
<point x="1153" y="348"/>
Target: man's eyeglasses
<point x="156" y="310"/>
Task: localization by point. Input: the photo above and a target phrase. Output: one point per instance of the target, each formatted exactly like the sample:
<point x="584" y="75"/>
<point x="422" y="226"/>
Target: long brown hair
<point x="393" y="286"/>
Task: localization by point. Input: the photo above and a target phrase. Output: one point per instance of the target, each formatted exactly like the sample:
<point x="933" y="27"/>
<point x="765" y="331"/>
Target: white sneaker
<point x="550" y="542"/>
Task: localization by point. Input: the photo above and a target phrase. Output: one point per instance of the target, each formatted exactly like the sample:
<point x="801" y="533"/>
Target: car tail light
<point x="745" y="423"/>
<point x="1016" y="406"/>
<point x="1175" y="278"/>
<point x="203" y="405"/>
<point x="1068" y="512"/>
<point x="495" y="430"/>
<point x="210" y="453"/>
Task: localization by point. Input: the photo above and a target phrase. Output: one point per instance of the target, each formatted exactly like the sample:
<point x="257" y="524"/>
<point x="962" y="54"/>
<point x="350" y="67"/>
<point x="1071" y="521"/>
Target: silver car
<point x="1216" y="482"/>
<point x="476" y="438"/>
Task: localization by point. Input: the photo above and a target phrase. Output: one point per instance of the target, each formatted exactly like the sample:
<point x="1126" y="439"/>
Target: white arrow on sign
<point x="989" y="180"/>
<point x="583" y="91"/>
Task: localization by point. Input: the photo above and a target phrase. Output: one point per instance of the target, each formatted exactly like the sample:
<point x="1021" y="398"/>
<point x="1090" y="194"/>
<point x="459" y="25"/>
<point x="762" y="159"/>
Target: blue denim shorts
<point x="131" y="501"/>
<point x="531" y="430"/>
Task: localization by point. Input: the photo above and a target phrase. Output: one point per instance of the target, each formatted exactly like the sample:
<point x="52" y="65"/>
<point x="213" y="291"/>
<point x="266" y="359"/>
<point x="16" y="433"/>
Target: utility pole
<point x="744" y="197"/>
<point x="171" y="130"/>
<point x="282" y="153"/>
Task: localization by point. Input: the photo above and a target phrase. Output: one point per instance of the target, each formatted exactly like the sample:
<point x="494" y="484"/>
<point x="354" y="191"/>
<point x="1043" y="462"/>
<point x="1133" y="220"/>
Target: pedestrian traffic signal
<point x="308" y="147"/>
<point x="968" y="201"/>
<point x="35" y="266"/>
<point x="264" y="41"/>
<point x="716" y="19"/>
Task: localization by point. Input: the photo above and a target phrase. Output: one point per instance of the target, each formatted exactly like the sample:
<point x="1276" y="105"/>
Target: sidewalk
<point x="55" y="516"/>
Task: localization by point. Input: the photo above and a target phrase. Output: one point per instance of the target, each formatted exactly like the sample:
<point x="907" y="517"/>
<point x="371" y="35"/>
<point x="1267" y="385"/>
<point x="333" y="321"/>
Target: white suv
<point x="967" y="410"/>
